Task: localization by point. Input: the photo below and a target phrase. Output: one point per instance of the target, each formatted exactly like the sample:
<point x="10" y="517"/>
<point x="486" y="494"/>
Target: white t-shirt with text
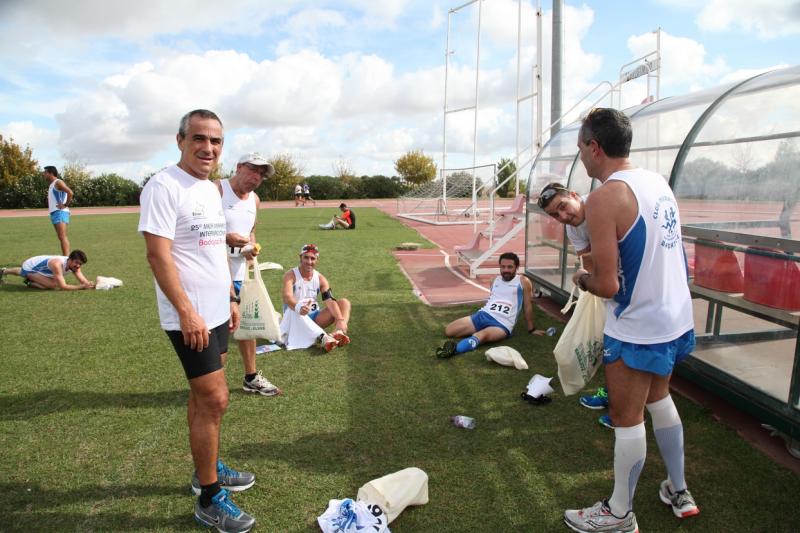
<point x="188" y="211"/>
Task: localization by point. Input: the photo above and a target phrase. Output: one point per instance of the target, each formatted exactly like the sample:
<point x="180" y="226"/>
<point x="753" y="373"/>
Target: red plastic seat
<point x="771" y="280"/>
<point x="473" y="244"/>
<point x="716" y="267"/>
<point x="517" y="207"/>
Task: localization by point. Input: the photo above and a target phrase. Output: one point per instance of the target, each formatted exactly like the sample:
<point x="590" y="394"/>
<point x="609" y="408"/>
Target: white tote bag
<point x="259" y="318"/>
<point x="394" y="492"/>
<point x="579" y="351"/>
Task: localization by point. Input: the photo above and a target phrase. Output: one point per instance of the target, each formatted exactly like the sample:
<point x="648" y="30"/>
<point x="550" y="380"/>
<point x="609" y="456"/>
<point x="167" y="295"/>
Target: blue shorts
<point x="237" y="286"/>
<point x="59" y="217"/>
<point x="657" y="358"/>
<point x="313" y="315"/>
<point x="482" y="320"/>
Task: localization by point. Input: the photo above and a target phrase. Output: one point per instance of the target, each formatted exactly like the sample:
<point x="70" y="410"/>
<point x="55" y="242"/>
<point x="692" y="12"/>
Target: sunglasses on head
<point x="547" y="196"/>
<point x="309" y="249"/>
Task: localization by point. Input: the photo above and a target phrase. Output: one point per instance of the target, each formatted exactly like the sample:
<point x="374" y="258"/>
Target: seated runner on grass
<point x="346" y="221"/>
<point x="510" y="294"/>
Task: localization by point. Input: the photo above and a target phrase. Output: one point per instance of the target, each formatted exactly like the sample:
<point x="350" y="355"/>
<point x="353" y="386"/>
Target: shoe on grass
<point x="598" y="400"/>
<point x="228" y="478"/>
<point x="598" y="517"/>
<point x="327" y="342"/>
<point x="682" y="502"/>
<point x="260" y="385"/>
<point x="223" y="514"/>
<point x="605" y="420"/>
<point x="341" y="338"/>
<point x="448" y="349"/>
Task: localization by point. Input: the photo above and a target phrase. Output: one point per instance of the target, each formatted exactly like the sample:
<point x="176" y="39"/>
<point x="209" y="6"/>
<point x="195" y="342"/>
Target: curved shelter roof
<point x="732" y="157"/>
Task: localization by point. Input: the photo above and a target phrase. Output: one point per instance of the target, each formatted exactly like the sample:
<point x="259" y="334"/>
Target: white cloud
<point x="769" y="19"/>
<point x="683" y="61"/>
<point x="25" y="133"/>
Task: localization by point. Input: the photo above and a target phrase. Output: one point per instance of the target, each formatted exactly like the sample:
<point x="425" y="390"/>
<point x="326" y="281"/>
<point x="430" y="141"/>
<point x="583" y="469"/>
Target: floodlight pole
<point x="447" y="53"/>
<point x="475" y="122"/>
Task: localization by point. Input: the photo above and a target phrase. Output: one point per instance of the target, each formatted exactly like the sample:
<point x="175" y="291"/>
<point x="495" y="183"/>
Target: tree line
<point x="22" y="185"/>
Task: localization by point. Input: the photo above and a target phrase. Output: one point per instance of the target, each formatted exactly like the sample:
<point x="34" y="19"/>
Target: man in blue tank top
<point x="495" y="321"/>
<point x="639" y="265"/>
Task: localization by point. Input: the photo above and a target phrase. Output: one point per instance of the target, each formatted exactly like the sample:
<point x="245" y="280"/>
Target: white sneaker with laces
<point x="682" y="503"/>
<point x="598" y="517"/>
<point x="260" y="385"/>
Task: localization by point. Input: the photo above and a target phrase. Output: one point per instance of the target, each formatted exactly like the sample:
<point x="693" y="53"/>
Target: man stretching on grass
<point x="183" y="225"/>
<point x="48" y="271"/>
<point x="509" y="295"/>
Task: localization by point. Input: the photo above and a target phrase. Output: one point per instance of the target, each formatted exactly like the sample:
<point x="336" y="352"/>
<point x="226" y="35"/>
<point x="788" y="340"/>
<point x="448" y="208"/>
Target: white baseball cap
<point x="254" y="158"/>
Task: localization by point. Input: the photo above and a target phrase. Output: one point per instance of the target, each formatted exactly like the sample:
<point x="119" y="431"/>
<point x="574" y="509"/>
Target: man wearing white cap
<point x="240" y="203"/>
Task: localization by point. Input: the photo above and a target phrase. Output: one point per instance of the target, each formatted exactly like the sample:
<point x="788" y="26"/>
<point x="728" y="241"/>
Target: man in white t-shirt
<point x="183" y="225"/>
<point x="569" y="208"/>
<point x="509" y="295"/>
<point x="240" y="203"/>
<point x="298" y="195"/>
<point x="639" y="266"/>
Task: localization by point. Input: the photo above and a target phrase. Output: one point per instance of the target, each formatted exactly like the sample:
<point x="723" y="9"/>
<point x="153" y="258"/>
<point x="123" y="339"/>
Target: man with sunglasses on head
<point x="48" y="271"/>
<point x="240" y="203"/>
<point x="569" y="208"/>
<point x="639" y="265"/>
<point x="302" y="285"/>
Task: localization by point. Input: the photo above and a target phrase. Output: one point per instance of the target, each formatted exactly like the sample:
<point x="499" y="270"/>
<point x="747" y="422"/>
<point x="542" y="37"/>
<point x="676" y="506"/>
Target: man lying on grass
<point x="48" y="271"/>
<point x="509" y="294"/>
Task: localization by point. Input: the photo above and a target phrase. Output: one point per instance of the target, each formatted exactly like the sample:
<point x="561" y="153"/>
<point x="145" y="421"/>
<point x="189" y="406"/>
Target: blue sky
<point x="349" y="82"/>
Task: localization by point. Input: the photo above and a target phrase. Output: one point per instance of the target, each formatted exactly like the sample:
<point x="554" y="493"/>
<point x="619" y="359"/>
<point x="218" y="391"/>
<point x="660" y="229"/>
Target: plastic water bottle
<point x="551" y="331"/>
<point x="461" y="421"/>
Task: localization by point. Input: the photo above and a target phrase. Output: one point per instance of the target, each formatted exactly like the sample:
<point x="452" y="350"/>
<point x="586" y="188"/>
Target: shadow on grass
<point x="41" y="403"/>
<point x="36" y="508"/>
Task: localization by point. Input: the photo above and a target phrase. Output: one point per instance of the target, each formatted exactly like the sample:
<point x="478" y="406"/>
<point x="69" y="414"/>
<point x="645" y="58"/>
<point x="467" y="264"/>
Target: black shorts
<point x="307" y="195"/>
<point x="196" y="364"/>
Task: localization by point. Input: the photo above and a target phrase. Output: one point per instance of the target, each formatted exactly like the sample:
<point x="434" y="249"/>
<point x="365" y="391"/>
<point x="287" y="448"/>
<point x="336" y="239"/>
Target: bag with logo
<point x="259" y="320"/>
<point x="579" y="351"/>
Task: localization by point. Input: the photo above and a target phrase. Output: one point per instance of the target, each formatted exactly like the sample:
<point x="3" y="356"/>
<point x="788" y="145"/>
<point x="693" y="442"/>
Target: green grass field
<point x="93" y="425"/>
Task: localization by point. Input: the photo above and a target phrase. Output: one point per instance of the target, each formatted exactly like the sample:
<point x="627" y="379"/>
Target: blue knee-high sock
<point x="467" y="345"/>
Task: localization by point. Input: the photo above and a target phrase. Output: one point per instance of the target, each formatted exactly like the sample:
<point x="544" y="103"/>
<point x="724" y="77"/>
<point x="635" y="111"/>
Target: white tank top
<point x="55" y="197"/>
<point x="240" y="216"/>
<point x="653" y="304"/>
<point x="306" y="289"/>
<point x="505" y="301"/>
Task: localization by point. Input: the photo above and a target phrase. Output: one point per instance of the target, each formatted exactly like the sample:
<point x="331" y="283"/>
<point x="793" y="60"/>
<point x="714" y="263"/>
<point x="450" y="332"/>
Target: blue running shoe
<point x="599" y="400"/>
<point x="605" y="420"/>
<point x="228" y="478"/>
<point x="223" y="515"/>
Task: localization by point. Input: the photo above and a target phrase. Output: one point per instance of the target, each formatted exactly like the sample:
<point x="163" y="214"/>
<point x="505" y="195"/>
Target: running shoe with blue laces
<point x="598" y="400"/>
<point x="228" y="478"/>
<point x="223" y="514"/>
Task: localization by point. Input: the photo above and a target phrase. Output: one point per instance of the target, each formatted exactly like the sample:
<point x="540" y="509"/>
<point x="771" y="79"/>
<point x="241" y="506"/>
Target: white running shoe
<point x="261" y="385"/>
<point x="598" y="517"/>
<point x="682" y="502"/>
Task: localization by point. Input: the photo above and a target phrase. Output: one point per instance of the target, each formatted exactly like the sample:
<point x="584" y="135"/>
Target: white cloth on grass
<point x="298" y="332"/>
